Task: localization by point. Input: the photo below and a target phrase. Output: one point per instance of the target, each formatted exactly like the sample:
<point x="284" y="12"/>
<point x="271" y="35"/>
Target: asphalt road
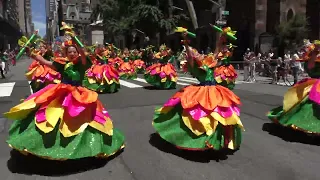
<point x="267" y="153"/>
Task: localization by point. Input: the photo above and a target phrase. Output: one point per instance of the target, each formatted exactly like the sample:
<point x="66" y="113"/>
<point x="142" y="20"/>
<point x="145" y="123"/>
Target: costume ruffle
<point x="163" y="76"/>
<point x="139" y="66"/>
<point x="41" y="75"/>
<point x="201" y="117"/>
<point x="301" y="107"/>
<point x="102" y="78"/>
<point x="226" y="76"/>
<point x="115" y="62"/>
<point x="127" y="71"/>
<point x="59" y="120"/>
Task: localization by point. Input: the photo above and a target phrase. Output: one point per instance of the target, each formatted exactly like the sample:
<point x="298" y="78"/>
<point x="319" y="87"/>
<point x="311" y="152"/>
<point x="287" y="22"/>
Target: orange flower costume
<point x="200" y="117"/>
<point x="162" y="75"/>
<point x="127" y="70"/>
<point x="41" y="75"/>
<point x="64" y="121"/>
<point x="139" y="66"/>
<point x="225" y="74"/>
<point x="102" y="77"/>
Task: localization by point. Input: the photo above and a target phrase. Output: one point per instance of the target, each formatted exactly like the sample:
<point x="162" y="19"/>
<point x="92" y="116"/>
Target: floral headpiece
<point x="163" y="47"/>
<point x="67" y="43"/>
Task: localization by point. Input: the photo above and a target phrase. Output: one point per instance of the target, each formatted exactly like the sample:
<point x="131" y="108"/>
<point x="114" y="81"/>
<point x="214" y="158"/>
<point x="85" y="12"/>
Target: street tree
<point x="150" y="16"/>
<point x="292" y="33"/>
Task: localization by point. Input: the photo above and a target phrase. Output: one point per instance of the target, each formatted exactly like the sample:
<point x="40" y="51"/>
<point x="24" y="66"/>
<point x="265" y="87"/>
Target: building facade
<point x="78" y="13"/>
<point x="9" y="22"/>
<point x="52" y="22"/>
<point x="28" y="18"/>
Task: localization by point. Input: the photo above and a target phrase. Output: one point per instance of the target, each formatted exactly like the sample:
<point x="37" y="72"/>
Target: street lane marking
<point x="144" y="81"/>
<point x="186" y="79"/>
<point x="6" y="89"/>
<point x="128" y="84"/>
<point x="140" y="80"/>
<point x="30" y="87"/>
<point x="183" y="81"/>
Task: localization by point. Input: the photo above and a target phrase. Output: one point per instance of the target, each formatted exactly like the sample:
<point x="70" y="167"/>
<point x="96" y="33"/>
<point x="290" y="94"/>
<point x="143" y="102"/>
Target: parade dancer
<point x="162" y="75"/>
<point x="64" y="121"/>
<point x="138" y="64"/>
<point x="302" y="101"/>
<point x="102" y="77"/>
<point x="225" y="74"/>
<point x="203" y="116"/>
<point x="41" y="75"/>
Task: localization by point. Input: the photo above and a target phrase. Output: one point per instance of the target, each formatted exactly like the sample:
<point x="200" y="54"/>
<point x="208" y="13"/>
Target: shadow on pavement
<point x="196" y="156"/>
<point x="290" y="135"/>
<point x="154" y="88"/>
<point x="21" y="164"/>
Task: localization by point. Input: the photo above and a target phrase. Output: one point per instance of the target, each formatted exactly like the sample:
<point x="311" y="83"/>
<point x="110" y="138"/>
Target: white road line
<point x="6" y="89"/>
<point x="192" y="80"/>
<point x="183" y="84"/>
<point x="31" y="91"/>
<point x="129" y="85"/>
<point x="140" y="80"/>
<point x="144" y="81"/>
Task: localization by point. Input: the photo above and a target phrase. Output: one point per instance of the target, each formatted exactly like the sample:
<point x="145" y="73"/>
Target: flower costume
<point x="102" y="77"/>
<point x="200" y="117"/>
<point x="64" y="121"/>
<point x="42" y="75"/>
<point x="139" y="66"/>
<point x="225" y="74"/>
<point x="127" y="71"/>
<point x="301" y="103"/>
<point x="163" y="74"/>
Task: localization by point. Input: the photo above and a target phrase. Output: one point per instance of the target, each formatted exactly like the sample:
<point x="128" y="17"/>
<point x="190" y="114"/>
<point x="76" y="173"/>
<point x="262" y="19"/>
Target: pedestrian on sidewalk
<point x="2" y="66"/>
<point x="296" y="67"/>
<point x="246" y="65"/>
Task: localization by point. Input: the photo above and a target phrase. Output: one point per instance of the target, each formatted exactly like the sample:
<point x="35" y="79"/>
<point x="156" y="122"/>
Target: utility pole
<point x="60" y="17"/>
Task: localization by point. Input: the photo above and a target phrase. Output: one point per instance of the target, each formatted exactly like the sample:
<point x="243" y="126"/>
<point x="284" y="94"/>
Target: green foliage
<point x="293" y="32"/>
<point x="149" y="16"/>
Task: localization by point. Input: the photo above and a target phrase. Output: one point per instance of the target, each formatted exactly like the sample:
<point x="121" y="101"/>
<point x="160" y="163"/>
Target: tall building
<point x="52" y="27"/>
<point x="78" y="13"/>
<point x="9" y="23"/>
<point x="21" y="16"/>
<point x="28" y="18"/>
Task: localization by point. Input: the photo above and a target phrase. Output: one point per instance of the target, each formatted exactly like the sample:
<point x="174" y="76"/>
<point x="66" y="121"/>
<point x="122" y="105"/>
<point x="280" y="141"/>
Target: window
<point x="290" y="14"/>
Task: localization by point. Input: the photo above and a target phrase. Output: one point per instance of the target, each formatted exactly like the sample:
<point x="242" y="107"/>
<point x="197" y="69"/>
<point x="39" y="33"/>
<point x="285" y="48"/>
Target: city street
<point x="268" y="152"/>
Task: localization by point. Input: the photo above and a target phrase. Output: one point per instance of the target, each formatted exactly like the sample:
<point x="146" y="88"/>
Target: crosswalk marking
<point x="188" y="79"/>
<point x="129" y="84"/>
<point x="6" y="89"/>
<point x="141" y="80"/>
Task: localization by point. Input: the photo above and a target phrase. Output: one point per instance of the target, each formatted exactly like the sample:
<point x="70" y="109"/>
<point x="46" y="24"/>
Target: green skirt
<point x="25" y="137"/>
<point x="140" y="70"/>
<point x="155" y="81"/>
<point x="229" y="85"/>
<point x="105" y="88"/>
<point x="305" y="117"/>
<point x="172" y="129"/>
<point x="128" y="76"/>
